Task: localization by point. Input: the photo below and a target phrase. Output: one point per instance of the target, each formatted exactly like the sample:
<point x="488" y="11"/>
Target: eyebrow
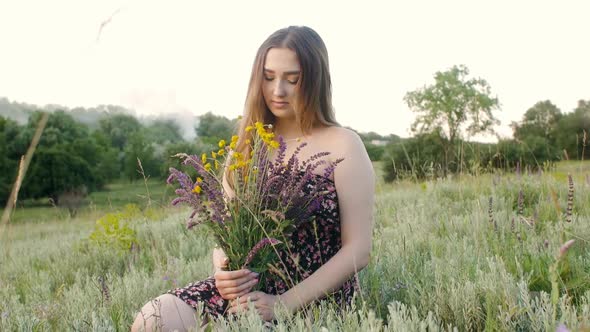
<point x="293" y="72"/>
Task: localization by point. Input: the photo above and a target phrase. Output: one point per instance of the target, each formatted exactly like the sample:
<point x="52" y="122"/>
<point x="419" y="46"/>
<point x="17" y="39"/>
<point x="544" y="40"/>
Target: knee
<point x="149" y="317"/>
<point x="164" y="313"/>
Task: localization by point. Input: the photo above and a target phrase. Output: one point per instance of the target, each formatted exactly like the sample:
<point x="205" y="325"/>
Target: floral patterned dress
<point x="311" y="245"/>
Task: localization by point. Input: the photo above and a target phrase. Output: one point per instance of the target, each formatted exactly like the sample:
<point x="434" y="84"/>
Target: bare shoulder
<point x="342" y="140"/>
<point x="345" y="143"/>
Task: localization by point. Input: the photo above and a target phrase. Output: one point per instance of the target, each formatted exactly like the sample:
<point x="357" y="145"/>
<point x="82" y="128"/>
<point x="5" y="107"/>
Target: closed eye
<point x="291" y="81"/>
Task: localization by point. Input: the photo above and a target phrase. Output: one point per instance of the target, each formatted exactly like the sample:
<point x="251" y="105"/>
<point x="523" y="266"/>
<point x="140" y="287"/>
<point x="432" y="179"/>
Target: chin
<point x="283" y="113"/>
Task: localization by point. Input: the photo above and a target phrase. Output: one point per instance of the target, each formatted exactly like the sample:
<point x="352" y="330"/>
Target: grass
<point x="440" y="261"/>
<point x="114" y="197"/>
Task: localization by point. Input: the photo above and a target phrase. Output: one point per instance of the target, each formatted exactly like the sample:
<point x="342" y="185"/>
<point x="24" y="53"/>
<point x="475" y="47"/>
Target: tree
<point x="164" y="131"/>
<point x="212" y="128"/>
<point x="139" y="148"/>
<point x="111" y="159"/>
<point x="54" y="171"/>
<point x="451" y="105"/>
<point x="540" y="120"/>
<point x="66" y="158"/>
<point x="573" y="131"/>
<point x="119" y="128"/>
<point x="8" y="160"/>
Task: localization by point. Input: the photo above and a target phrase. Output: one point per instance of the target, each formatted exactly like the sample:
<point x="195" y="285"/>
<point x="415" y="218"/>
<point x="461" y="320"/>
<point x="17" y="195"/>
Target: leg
<point x="165" y="313"/>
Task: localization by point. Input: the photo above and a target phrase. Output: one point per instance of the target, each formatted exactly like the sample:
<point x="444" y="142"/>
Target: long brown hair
<point x="314" y="102"/>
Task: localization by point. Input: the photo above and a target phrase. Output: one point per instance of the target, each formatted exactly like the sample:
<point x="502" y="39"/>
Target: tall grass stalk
<point x="22" y="171"/>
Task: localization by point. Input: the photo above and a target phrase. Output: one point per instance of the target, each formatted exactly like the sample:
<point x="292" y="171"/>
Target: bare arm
<point x="355" y="184"/>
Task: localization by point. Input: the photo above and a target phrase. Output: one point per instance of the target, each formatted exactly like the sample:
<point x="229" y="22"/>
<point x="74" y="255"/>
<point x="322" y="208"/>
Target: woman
<point x="290" y="88"/>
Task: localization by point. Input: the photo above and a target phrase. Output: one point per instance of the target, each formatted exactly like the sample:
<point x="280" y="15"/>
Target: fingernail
<point x="255" y="274"/>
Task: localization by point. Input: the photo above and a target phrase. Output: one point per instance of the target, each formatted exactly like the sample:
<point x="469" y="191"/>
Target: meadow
<point x="468" y="253"/>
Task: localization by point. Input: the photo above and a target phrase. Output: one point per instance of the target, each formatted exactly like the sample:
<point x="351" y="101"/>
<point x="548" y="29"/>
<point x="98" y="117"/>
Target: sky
<point x="159" y="57"/>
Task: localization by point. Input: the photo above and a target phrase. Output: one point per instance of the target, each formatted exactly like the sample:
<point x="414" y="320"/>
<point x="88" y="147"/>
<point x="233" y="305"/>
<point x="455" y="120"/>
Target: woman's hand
<point x="220" y="259"/>
<point x="264" y="304"/>
<point x="231" y="284"/>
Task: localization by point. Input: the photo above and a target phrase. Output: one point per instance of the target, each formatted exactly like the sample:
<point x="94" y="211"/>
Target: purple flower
<point x="263" y="243"/>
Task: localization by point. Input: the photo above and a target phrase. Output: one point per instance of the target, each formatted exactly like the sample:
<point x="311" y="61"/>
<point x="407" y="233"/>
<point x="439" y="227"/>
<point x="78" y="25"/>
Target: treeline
<point x="73" y="158"/>
<point x="82" y="150"/>
<point x="543" y="136"/>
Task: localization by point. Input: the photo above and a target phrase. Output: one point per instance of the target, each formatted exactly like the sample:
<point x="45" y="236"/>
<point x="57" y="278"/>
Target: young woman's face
<point x="279" y="87"/>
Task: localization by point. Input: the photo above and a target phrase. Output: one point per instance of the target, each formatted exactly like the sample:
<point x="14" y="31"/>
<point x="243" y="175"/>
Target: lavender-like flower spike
<point x="261" y="244"/>
<point x="183" y="179"/>
<point x="282" y="150"/>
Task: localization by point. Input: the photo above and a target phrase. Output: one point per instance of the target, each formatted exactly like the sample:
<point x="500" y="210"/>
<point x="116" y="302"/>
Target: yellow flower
<point x="221" y="143"/>
<point x="207" y="167"/>
<point x="232" y="167"/>
<point x="213" y="154"/>
<point x="197" y="189"/>
<point x="237" y="155"/>
<point x="248" y="141"/>
<point x="273" y="144"/>
<point x="216" y="164"/>
<point x="234" y="138"/>
<point x="221" y="152"/>
<point x="199" y="180"/>
<point x="249" y="128"/>
<point x="204" y="158"/>
<point x="232" y="145"/>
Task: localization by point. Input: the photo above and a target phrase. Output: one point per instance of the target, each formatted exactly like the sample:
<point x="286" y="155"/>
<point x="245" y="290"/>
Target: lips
<point x="279" y="103"/>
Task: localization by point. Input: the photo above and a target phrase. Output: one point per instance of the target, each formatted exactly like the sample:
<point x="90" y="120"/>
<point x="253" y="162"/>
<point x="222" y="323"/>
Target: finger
<point x="227" y="284"/>
<point x="232" y="296"/>
<point x="230" y="275"/>
<point x="244" y="292"/>
<point x="241" y="289"/>
<point x="220" y="259"/>
<point x="253" y="297"/>
<point x="238" y="308"/>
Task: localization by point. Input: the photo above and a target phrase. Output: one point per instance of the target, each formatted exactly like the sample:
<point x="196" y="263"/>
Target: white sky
<point x="196" y="56"/>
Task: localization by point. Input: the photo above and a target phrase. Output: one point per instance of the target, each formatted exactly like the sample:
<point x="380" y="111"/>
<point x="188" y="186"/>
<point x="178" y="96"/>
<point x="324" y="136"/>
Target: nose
<point x="279" y="88"/>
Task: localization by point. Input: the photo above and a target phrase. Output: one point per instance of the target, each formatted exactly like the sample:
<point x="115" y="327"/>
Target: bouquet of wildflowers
<point x="272" y="196"/>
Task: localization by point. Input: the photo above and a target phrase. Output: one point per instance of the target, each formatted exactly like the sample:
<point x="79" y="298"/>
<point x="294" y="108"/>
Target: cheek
<point x="266" y="90"/>
<point x="292" y="92"/>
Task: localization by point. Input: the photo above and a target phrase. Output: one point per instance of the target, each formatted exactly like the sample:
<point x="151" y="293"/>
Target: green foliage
<point x="8" y="162"/>
<point x="119" y="128"/>
<point x="213" y="128"/>
<point x="163" y="131"/>
<point x="539" y="121"/>
<point x="375" y="143"/>
<point x="417" y="157"/>
<point x="54" y="171"/>
<point x="66" y="158"/>
<point x="533" y="152"/>
<point x="139" y="148"/>
<point x="453" y="104"/>
<point x="113" y="230"/>
<point x="194" y="148"/>
<point x="374" y="151"/>
<point x="573" y="132"/>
